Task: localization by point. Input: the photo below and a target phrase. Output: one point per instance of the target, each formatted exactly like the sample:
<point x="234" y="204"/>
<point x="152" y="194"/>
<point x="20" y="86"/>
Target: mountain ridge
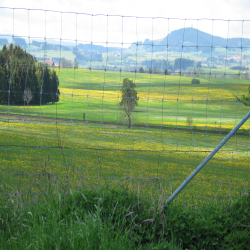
<point x="190" y="39"/>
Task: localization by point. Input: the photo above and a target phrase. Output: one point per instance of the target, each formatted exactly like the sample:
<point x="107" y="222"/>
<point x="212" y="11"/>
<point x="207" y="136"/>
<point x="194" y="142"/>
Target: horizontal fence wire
<point x="75" y="125"/>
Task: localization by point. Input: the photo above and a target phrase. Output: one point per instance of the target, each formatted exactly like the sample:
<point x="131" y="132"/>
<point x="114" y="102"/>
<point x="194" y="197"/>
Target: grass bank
<point x="119" y="219"/>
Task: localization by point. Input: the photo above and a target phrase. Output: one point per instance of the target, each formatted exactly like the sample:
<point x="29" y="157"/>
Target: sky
<point x="94" y="20"/>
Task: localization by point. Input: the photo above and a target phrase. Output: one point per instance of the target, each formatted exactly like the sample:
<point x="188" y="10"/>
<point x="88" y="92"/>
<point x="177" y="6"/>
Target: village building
<point x="48" y="62"/>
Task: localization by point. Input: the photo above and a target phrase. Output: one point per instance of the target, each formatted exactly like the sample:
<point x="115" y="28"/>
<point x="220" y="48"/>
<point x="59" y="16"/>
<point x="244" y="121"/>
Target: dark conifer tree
<point x="54" y="87"/>
<point x="46" y="85"/>
<point x="19" y="71"/>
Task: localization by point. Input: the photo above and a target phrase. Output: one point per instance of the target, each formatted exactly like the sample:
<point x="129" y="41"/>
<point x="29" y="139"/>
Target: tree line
<point x="177" y="64"/>
<point x="87" y="56"/>
<point x="23" y="79"/>
<point x="3" y="41"/>
<point x="50" y="46"/>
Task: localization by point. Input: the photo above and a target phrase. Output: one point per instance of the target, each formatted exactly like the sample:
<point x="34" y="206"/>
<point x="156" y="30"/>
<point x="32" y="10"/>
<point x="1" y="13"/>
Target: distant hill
<point x="97" y="48"/>
<point x="7" y="37"/>
<point x="190" y="38"/>
<point x="3" y="41"/>
<point x="55" y="45"/>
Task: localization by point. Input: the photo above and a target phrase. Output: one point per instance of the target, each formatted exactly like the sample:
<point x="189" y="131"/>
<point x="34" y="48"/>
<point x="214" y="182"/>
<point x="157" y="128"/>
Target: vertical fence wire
<point x="106" y="143"/>
<point x="11" y="65"/>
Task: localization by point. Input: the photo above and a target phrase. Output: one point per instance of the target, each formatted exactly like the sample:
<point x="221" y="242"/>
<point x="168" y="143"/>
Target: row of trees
<point x="50" y="46"/>
<point x="177" y="64"/>
<point x="65" y="63"/>
<point x="87" y="56"/>
<point x="22" y="79"/>
<point x="153" y="71"/>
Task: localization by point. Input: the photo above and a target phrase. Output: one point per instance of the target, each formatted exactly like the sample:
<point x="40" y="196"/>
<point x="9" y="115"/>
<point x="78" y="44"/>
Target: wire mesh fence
<point x="69" y="126"/>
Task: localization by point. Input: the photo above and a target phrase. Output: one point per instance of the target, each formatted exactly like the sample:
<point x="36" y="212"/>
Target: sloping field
<point x="82" y="151"/>
<point x="61" y="141"/>
<point x="164" y="100"/>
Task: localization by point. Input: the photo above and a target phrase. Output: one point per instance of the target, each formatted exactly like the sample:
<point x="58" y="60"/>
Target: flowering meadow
<point x="79" y="151"/>
<point x="84" y="137"/>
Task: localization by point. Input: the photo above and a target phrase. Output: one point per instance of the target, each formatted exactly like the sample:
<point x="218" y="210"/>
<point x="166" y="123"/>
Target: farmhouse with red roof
<point x="48" y="62"/>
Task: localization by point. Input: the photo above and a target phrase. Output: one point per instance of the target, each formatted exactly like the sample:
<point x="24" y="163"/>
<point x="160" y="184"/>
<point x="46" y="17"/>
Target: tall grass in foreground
<point x="109" y="218"/>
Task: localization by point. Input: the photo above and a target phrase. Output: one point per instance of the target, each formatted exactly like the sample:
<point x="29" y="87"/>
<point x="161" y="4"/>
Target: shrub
<point x="195" y="81"/>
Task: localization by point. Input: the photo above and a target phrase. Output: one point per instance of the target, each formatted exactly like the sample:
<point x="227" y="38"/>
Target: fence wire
<point x="188" y="98"/>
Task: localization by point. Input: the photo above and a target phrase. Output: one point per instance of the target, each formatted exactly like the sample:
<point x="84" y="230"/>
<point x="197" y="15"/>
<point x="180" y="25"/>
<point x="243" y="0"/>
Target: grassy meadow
<point x="164" y="100"/>
<point x="53" y="141"/>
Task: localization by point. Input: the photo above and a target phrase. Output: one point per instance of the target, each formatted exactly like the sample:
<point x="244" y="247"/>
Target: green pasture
<point x="164" y="100"/>
<point x="52" y="53"/>
<point x="81" y="152"/>
<point x="222" y="70"/>
<point x="77" y="150"/>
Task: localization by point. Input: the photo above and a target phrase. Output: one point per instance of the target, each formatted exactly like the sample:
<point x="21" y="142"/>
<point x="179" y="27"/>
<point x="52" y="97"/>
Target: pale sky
<point x="117" y="30"/>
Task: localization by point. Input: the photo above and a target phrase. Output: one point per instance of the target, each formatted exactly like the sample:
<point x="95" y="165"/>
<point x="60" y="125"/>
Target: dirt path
<point x="46" y="119"/>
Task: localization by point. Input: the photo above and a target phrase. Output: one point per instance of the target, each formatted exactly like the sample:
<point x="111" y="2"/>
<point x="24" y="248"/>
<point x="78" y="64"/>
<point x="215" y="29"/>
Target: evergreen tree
<point x="19" y="71"/>
<point x="46" y="85"/>
<point x="54" y="88"/>
<point x="3" y="85"/>
<point x="141" y="70"/>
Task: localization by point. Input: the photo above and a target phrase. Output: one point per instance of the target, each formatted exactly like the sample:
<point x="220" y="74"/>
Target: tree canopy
<point x="129" y="98"/>
<point x="195" y="81"/>
<point x="20" y="72"/>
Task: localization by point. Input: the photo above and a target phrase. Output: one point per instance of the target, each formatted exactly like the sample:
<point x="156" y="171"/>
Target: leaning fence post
<point x="191" y="176"/>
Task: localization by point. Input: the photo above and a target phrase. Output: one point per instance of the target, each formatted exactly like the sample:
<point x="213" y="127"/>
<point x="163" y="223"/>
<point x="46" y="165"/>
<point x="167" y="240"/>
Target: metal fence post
<point x="191" y="176"/>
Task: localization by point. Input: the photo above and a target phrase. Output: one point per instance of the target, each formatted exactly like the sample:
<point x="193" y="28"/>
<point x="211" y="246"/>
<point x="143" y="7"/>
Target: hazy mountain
<point x="70" y="45"/>
<point x="190" y="38"/>
<point x="6" y="36"/>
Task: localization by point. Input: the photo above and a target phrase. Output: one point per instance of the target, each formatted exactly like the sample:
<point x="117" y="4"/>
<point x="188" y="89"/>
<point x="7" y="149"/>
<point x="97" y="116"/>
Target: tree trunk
<point x="129" y="121"/>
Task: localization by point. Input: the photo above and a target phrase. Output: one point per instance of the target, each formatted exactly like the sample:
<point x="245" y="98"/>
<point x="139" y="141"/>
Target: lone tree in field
<point x="245" y="99"/>
<point x="129" y="98"/>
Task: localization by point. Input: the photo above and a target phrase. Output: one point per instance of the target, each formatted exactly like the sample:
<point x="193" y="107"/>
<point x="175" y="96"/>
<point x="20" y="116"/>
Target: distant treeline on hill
<point x="17" y="41"/>
<point x="87" y="56"/>
<point x="49" y="46"/>
<point x="243" y="68"/>
<point x="3" y="41"/>
<point x="25" y="74"/>
<point x="20" y="41"/>
<point x="177" y="64"/>
<point x="97" y="48"/>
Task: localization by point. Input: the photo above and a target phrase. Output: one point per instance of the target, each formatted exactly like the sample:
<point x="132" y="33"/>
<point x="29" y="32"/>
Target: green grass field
<point x="75" y="150"/>
<point x="163" y="100"/>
